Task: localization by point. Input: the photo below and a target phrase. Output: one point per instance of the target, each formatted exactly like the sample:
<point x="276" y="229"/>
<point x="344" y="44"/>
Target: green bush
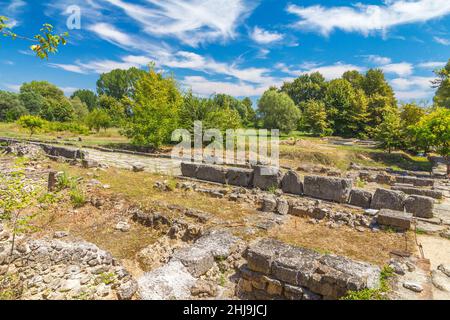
<point x="31" y="123"/>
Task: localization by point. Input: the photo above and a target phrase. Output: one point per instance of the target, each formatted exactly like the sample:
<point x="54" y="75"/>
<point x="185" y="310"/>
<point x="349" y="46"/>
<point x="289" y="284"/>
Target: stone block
<point x="291" y="183"/>
<point x="212" y="173"/>
<point x="360" y="198"/>
<point x="420" y="206"/>
<point x="388" y="199"/>
<point x="266" y="178"/>
<point x="239" y="177"/>
<point x="396" y="219"/>
<point x="326" y="188"/>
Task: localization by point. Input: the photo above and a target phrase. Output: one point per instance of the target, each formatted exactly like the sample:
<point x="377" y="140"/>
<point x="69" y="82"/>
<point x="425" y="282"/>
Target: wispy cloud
<point x="443" y="41"/>
<point x="191" y="21"/>
<point x="432" y="64"/>
<point x="412" y="88"/>
<point x="376" y="59"/>
<point x="366" y="19"/>
<point x="262" y="36"/>
<point x="401" y="69"/>
<point x="332" y="71"/>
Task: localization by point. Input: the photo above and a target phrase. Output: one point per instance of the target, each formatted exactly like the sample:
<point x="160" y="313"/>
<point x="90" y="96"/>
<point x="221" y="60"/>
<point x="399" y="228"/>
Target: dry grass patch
<point x="373" y="247"/>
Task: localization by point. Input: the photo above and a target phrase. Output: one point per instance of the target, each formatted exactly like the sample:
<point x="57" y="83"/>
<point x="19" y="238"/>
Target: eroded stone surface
<point x="332" y="189"/>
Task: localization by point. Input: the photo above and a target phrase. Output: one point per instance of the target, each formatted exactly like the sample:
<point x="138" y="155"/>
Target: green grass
<point x="374" y="294"/>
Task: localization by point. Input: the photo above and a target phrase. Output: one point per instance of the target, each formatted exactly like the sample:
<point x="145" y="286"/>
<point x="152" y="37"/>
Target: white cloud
<point x="191" y="21"/>
<point x="432" y="64"/>
<point x="12" y="87"/>
<point x="265" y="37"/>
<point x="443" y="41"/>
<point x="68" y="67"/>
<point x="109" y="33"/>
<point x="205" y="87"/>
<point x="366" y="19"/>
<point x="413" y="88"/>
<point x="372" y="58"/>
<point x="330" y="72"/>
<point x="401" y="69"/>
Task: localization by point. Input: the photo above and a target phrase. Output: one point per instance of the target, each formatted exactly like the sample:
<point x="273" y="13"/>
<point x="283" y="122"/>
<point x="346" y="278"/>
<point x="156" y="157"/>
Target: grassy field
<point x="306" y="151"/>
<point x="110" y="137"/>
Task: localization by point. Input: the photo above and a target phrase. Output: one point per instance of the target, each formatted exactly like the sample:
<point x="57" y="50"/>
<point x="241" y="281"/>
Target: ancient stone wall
<point x="275" y="270"/>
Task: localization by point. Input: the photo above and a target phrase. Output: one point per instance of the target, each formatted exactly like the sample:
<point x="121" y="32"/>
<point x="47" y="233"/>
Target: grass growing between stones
<point x="373" y="247"/>
<point x="374" y="294"/>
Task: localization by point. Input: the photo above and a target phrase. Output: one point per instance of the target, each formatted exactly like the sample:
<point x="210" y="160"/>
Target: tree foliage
<point x="119" y="83"/>
<point x="98" y="119"/>
<point x="314" y="118"/>
<point x="306" y="87"/>
<point x="86" y="96"/>
<point x="388" y="133"/>
<point x="442" y="83"/>
<point x="156" y="106"/>
<point x="31" y="123"/>
<point x="278" y="111"/>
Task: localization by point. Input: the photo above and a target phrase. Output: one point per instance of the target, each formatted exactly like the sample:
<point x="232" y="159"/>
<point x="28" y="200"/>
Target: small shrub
<point x="106" y="278"/>
<point x="65" y="182"/>
<point x="77" y="197"/>
<point x="373" y="294"/>
<point x="360" y="183"/>
<point x="31" y="123"/>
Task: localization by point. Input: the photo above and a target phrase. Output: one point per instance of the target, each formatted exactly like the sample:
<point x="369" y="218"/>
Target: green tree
<point x="10" y="106"/>
<point x="55" y="106"/>
<point x="45" y="42"/>
<point x="314" y="118"/>
<point x="410" y="116"/>
<point x="119" y="83"/>
<point x="355" y="78"/>
<point x="278" y="111"/>
<point x="98" y="119"/>
<point x="388" y="133"/>
<point x="80" y="109"/>
<point x="31" y="123"/>
<point x="223" y="119"/>
<point x="250" y="119"/>
<point x="380" y="95"/>
<point x="157" y="102"/>
<point x="442" y="83"/>
<point x="86" y="96"/>
<point x="114" y="107"/>
<point x="306" y="87"/>
<point x="32" y="101"/>
<point x="346" y="108"/>
<point x="194" y="109"/>
<point x="434" y="128"/>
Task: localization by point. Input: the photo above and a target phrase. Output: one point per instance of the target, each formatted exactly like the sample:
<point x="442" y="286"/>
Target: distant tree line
<point x="149" y="105"/>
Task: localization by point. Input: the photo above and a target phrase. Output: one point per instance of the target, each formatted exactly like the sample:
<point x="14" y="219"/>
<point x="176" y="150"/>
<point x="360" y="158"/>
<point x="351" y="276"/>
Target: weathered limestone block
<point x="189" y="169"/>
<point x="65" y="152"/>
<point x="212" y="173"/>
<point x="269" y="204"/>
<point x="88" y="164"/>
<point x="282" y="206"/>
<point x="388" y="199"/>
<point x="385" y="179"/>
<point x="326" y="188"/>
<point x="420" y="206"/>
<point x="360" y="198"/>
<point x="266" y="178"/>
<point x="396" y="219"/>
<point x="418" y="182"/>
<point x="171" y="281"/>
<point x="420" y="192"/>
<point x="240" y="177"/>
<point x="303" y="273"/>
<point x="291" y="183"/>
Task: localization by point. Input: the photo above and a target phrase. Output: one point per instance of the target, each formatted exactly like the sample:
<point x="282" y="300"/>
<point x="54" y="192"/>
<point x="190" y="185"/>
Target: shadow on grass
<point x="400" y="160"/>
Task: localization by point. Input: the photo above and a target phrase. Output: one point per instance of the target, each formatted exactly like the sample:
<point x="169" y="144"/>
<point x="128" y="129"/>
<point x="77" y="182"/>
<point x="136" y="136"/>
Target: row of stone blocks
<point x="266" y="178"/>
<point x="275" y="270"/>
<point x="384" y="178"/>
<point x="325" y="188"/>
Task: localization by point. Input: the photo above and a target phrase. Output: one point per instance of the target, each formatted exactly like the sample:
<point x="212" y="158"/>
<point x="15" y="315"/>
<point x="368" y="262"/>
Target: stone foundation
<point x="276" y="270"/>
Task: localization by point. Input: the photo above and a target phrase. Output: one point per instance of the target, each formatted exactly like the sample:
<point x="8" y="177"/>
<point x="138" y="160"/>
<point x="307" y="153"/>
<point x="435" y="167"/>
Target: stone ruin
<point x="275" y="270"/>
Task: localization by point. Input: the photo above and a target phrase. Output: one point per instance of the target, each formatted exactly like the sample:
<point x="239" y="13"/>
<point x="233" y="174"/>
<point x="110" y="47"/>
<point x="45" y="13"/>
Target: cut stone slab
<point x="291" y="183"/>
<point x="239" y="177"/>
<point x="326" y="188"/>
<point x="266" y="178"/>
<point x="397" y="219"/>
<point x="420" y="192"/>
<point x="212" y="173"/>
<point x="171" y="281"/>
<point x="420" y="206"/>
<point x="199" y="257"/>
<point x="189" y="169"/>
<point x="388" y="199"/>
<point x="440" y="280"/>
<point x="430" y="228"/>
<point x="360" y="198"/>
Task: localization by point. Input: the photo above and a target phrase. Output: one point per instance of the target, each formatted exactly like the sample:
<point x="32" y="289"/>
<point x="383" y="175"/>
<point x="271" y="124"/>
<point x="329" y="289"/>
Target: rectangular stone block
<point x="360" y="198"/>
<point x="189" y="169"/>
<point x="396" y="219"/>
<point x="420" y="192"/>
<point x="239" y="177"/>
<point x="388" y="199"/>
<point x="292" y="184"/>
<point x="420" y="206"/>
<point x="212" y="173"/>
<point x="266" y="178"/>
<point x="326" y="188"/>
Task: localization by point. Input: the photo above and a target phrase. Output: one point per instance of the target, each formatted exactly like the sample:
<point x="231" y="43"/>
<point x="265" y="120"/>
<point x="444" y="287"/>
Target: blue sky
<point x="238" y="47"/>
